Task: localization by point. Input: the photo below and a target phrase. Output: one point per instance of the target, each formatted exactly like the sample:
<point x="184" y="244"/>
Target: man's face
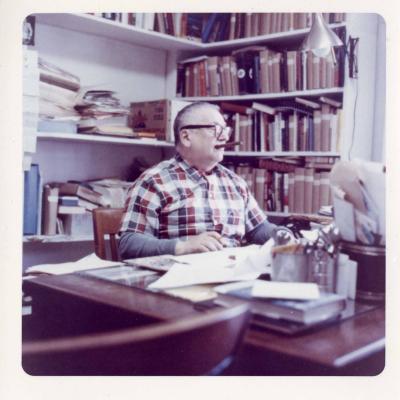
<point x="202" y="151"/>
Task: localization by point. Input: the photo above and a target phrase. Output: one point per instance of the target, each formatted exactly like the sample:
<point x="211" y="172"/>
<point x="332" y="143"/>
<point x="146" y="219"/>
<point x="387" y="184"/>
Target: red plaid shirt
<point x="174" y="200"/>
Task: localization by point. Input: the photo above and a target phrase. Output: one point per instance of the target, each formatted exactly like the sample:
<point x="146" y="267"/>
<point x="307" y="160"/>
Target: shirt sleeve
<point x="142" y="209"/>
<point x="133" y="245"/>
<point x="254" y="216"/>
<point x="261" y="233"/>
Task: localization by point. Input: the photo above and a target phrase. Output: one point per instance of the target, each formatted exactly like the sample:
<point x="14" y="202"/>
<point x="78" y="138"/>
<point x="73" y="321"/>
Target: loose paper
<point x="89" y="262"/>
<point x="228" y="265"/>
<point x="285" y="290"/>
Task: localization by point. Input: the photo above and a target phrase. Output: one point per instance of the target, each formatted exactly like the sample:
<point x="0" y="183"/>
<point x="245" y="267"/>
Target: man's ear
<point x="184" y="137"/>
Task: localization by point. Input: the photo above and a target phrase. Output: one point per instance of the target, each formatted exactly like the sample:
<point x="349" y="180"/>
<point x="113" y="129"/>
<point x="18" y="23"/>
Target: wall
<point x="365" y="97"/>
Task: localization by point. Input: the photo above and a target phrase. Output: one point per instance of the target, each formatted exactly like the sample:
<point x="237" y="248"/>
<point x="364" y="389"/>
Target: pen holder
<point x="323" y="270"/>
<point x="317" y="267"/>
<point x="290" y="267"/>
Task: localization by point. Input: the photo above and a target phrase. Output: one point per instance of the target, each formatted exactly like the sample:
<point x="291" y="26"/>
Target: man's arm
<point x="134" y="244"/>
<point x="261" y="233"/>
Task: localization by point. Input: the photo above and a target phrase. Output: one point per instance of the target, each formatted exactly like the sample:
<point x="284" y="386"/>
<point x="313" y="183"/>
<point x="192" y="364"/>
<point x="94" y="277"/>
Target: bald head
<point x="186" y="115"/>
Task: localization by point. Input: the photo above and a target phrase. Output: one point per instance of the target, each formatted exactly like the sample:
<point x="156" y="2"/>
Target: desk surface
<point x="334" y="346"/>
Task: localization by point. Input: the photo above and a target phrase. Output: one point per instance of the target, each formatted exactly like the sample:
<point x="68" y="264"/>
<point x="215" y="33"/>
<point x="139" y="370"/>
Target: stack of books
<point x="67" y="206"/>
<point x="58" y="91"/>
<point x="286" y="315"/>
<point x="101" y="113"/>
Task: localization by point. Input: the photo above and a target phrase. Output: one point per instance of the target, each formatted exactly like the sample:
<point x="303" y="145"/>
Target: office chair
<point x="106" y="221"/>
<point x="196" y="345"/>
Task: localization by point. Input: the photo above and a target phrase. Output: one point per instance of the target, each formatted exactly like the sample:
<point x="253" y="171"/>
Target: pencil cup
<point x="322" y="271"/>
<point x="290" y="267"/>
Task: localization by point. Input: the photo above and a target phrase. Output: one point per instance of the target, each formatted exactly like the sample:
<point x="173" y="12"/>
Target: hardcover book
<point x="327" y="306"/>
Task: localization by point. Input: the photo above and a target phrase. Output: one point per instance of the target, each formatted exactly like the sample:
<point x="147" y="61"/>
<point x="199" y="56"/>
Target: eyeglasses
<point x="218" y="129"/>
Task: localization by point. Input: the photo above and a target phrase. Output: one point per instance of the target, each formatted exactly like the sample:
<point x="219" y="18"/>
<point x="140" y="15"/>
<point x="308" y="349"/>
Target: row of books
<point x="257" y="69"/>
<point x="302" y="190"/>
<point x="285" y="128"/>
<point x="67" y="205"/>
<point x="140" y="20"/>
<point x="214" y="27"/>
<point x="230" y="26"/>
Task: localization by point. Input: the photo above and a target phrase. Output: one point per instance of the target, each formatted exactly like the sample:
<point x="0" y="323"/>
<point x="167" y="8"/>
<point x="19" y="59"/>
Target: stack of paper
<point x="359" y="201"/>
<point x="30" y="104"/>
<point x="231" y="264"/>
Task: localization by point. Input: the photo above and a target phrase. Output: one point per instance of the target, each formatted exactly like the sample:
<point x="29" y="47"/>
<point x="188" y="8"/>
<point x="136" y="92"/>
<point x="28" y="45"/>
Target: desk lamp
<point x="321" y="39"/>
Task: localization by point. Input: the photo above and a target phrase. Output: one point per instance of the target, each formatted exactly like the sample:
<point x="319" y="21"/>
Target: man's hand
<point x="206" y="241"/>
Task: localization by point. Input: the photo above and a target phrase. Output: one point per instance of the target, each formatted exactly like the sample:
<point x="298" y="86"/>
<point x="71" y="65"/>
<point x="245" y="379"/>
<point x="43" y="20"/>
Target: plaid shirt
<point x="174" y="200"/>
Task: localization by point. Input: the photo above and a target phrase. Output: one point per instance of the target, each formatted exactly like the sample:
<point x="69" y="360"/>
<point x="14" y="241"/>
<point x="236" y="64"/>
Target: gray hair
<point x="181" y="117"/>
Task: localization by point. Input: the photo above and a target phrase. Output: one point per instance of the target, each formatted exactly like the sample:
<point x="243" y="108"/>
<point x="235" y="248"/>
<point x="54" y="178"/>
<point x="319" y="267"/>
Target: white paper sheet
<point x="88" y="262"/>
<point x="214" y="267"/>
<point x="285" y="290"/>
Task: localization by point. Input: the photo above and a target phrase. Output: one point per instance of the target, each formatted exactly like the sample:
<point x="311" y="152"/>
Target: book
<point x="71" y="210"/>
<point x="77" y="189"/>
<point x="48" y="125"/>
<point x="50" y="206"/>
<point x="263" y="108"/>
<point x="31" y="200"/>
<point x="79" y="224"/>
<point x="327" y="306"/>
<point x="330" y="101"/>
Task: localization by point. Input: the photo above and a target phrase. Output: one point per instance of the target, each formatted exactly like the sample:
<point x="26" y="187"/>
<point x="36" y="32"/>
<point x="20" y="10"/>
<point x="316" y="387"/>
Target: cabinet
<point x="141" y="65"/>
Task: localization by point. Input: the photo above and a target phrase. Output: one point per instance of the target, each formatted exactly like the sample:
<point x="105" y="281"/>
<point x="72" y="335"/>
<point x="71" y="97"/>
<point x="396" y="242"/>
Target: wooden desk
<point x="73" y="304"/>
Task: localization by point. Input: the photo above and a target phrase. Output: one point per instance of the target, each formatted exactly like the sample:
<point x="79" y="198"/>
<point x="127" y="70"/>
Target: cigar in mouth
<point x="227" y="144"/>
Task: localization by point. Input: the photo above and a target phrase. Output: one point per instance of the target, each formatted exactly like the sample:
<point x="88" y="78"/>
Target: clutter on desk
<point x="359" y="201"/>
<point x="298" y="308"/>
<point x="359" y="210"/>
<point x="227" y="265"/>
<point x="312" y="259"/>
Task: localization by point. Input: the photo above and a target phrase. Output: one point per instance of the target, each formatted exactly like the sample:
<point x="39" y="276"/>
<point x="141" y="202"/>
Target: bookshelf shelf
<point x="270" y="96"/>
<point x="278" y="38"/>
<point x="126" y="33"/>
<point x="115" y="30"/>
<point x="56" y="239"/>
<point x="79" y="137"/>
<point x="261" y="154"/>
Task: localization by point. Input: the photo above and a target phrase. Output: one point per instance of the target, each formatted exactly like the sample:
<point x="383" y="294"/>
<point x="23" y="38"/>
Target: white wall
<point x="365" y="95"/>
<point x="136" y="73"/>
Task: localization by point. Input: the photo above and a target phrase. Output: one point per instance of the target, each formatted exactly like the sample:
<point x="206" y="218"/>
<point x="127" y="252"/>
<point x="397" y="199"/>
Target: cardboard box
<point x="155" y="119"/>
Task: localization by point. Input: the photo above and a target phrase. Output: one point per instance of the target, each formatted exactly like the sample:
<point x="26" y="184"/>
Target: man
<point x="191" y="203"/>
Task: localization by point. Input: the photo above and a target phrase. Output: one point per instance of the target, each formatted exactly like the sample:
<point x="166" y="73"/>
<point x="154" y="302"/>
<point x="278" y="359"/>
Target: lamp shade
<point x="321" y="38"/>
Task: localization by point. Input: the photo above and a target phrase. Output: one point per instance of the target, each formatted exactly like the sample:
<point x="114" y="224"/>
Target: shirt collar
<point x="192" y="171"/>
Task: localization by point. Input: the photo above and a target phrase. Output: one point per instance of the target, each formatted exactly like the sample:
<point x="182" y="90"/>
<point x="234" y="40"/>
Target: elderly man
<point x="191" y="203"/>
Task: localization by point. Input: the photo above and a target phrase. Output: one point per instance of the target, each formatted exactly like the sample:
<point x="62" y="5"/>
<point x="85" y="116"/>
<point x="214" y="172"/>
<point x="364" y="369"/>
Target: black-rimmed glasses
<point x="218" y="129"/>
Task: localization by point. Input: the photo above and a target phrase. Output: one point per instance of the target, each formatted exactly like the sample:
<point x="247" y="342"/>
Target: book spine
<point x="31" y="200"/>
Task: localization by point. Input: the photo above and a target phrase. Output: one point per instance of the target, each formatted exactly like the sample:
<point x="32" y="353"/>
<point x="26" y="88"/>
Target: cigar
<point x="227" y="144"/>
